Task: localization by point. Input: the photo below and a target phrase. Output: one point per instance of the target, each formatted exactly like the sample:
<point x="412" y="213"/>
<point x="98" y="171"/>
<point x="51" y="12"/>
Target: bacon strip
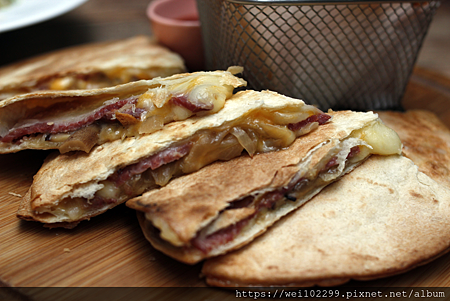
<point x="320" y="118"/>
<point x="183" y="101"/>
<point x="220" y="237"/>
<point x="100" y="202"/>
<point x="270" y="199"/>
<point x="105" y="112"/>
<point x="353" y="152"/>
<point x="241" y="203"/>
<point x="153" y="162"/>
<point x="136" y="113"/>
<point x="126" y="109"/>
<point x="65" y="126"/>
<point x="206" y="244"/>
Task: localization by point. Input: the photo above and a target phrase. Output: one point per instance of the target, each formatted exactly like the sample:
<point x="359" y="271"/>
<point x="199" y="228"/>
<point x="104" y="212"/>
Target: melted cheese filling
<point x="204" y="90"/>
<point x="208" y="146"/>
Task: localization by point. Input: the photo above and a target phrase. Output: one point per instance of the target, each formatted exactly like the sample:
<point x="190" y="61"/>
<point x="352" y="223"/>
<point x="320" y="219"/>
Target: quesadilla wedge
<point x="227" y="204"/>
<point x="76" y="186"/>
<point x="386" y="217"/>
<point x="90" y="66"/>
<point x="79" y="119"/>
<point x="383" y="218"/>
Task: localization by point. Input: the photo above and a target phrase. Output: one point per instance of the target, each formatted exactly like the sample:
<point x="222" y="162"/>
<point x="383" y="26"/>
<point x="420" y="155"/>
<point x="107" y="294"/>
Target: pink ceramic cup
<point x="176" y="25"/>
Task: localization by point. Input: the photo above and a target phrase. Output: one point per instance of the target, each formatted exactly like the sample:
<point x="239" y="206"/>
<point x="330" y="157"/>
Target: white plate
<point x="27" y="12"/>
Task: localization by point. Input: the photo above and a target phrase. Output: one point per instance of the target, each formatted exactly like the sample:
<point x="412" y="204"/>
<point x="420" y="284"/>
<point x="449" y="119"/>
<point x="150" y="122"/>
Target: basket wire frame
<point x="340" y="56"/>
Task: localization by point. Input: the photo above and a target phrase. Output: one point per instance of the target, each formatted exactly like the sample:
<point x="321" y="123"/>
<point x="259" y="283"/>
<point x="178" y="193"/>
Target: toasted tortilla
<point x="67" y="184"/>
<point x="426" y="141"/>
<point x="54" y="119"/>
<point x="90" y="66"/>
<point x="181" y="218"/>
<point x="384" y="218"/>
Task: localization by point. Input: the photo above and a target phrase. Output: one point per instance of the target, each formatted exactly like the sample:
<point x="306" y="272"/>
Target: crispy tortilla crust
<point x="152" y="235"/>
<point x="139" y="52"/>
<point x="77" y="174"/>
<point x="15" y="108"/>
<point x="188" y="203"/>
<point x="25" y="208"/>
<point x="384" y="218"/>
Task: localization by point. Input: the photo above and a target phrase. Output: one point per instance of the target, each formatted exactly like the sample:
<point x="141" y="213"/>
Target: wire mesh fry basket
<point x="335" y="54"/>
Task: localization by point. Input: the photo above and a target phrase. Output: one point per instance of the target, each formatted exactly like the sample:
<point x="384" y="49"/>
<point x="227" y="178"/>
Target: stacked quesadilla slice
<point x="79" y="119"/>
<point x="227" y="204"/>
<point x="90" y="66"/>
<point x="382" y="219"/>
<point x="76" y="186"/>
<point x="386" y="217"/>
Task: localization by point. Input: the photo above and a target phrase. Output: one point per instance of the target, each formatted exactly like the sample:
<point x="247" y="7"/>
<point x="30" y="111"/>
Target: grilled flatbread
<point x="76" y="186"/>
<point x="227" y="204"/>
<point x="90" y="66"/>
<point x="79" y="119"/>
<point x="384" y="218"/>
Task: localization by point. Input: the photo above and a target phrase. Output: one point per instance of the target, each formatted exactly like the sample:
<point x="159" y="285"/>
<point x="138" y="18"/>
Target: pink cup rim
<point x="153" y="16"/>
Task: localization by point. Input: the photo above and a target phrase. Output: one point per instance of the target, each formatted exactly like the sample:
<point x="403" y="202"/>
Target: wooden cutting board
<point x="111" y="251"/>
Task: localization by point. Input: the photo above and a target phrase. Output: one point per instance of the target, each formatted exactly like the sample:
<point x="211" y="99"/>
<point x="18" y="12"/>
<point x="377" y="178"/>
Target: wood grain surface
<point x="429" y="90"/>
<point x="107" y="251"/>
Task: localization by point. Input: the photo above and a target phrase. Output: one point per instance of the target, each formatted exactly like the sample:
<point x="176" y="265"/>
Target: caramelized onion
<point x="286" y="117"/>
<point x="60" y="137"/>
<point x="229" y="150"/>
<point x="244" y="139"/>
<point x="151" y="124"/>
<point x="283" y="134"/>
<point x="109" y="190"/>
<point x="83" y="139"/>
<point x="181" y="113"/>
<point x="72" y="208"/>
<point x="126" y="119"/>
<point x="307" y="128"/>
<point x="111" y="132"/>
<point x="163" y="174"/>
<point x="211" y="146"/>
